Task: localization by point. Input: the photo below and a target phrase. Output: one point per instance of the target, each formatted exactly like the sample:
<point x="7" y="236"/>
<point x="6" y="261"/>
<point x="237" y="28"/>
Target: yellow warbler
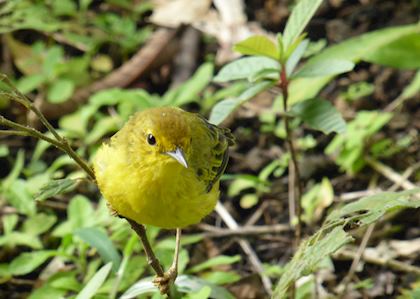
<point x="163" y="167"/>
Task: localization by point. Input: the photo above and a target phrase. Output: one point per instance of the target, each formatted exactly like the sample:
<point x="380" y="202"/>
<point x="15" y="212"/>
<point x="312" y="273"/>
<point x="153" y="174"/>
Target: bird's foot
<point x="163" y="283"/>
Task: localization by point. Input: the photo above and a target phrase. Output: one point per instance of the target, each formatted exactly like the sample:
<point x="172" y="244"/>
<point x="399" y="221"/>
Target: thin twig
<point x="246" y="247"/>
<point x="151" y="257"/>
<point x="215" y="232"/>
<point x="357" y="257"/>
<point x="345" y="254"/>
<point x="390" y="174"/>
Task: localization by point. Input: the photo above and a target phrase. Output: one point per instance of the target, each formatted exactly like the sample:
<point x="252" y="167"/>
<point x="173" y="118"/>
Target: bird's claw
<point x="163" y="283"/>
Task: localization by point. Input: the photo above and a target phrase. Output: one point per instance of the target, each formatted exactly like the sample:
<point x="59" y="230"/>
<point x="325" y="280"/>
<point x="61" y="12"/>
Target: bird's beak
<point x="178" y="155"/>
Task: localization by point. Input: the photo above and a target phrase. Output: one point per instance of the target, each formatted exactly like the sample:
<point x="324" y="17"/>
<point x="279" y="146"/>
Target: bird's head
<point x="165" y="133"/>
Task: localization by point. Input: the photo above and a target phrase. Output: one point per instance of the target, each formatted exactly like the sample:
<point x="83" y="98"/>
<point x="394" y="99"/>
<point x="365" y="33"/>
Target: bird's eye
<point x="151" y="139"/>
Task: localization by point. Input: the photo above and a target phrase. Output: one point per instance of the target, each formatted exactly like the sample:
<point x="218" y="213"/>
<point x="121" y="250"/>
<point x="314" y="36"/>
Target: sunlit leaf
<point x="258" y="45"/>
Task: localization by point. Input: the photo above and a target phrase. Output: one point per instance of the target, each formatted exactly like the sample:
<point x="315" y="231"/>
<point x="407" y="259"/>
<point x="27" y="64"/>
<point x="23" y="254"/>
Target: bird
<point x="162" y="168"/>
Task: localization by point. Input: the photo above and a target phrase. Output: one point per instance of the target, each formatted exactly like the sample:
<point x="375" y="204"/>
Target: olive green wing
<point x="210" y="151"/>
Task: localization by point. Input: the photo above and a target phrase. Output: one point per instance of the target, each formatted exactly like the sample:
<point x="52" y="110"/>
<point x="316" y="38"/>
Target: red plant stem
<point x="284" y="85"/>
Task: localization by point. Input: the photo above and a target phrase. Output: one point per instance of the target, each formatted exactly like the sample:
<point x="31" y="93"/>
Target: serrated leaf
<point x="245" y="68"/>
<point x="309" y="256"/>
<point x="99" y="240"/>
<point x="320" y="115"/>
<point x="299" y="18"/>
<point x="258" y="45"/>
<point x="55" y="187"/>
<point x="95" y="283"/>
<point x="222" y="109"/>
<point x="322" y="68"/>
<point x="371" y="208"/>
<point x="60" y="91"/>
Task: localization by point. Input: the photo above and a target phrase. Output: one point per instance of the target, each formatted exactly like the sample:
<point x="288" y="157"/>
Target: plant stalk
<point x="284" y="86"/>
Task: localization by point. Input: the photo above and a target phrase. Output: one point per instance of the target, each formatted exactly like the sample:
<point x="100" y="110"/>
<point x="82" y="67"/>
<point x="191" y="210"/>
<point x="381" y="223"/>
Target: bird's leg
<point x="164" y="283"/>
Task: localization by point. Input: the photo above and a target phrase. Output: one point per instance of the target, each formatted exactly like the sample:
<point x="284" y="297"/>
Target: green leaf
<point x="322" y="68"/>
<point x="413" y="88"/>
<point x="99" y="240"/>
<point x="215" y="261"/>
<point x="39" y="223"/>
<point x="320" y="115"/>
<point x="299" y="18"/>
<point x="402" y="53"/>
<point x="95" y="283"/>
<point x="188" y="284"/>
<point x="14" y="239"/>
<point x="29" y="83"/>
<point x="56" y="187"/>
<point x="353" y="49"/>
<point x="189" y="90"/>
<point x="204" y="293"/>
<point x="60" y="91"/>
<point x="222" y="109"/>
<point x="258" y="45"/>
<point x="9" y="223"/>
<point x="29" y="261"/>
<point x="142" y="287"/>
<point x="221" y="277"/>
<point x="369" y="209"/>
<point x="19" y="196"/>
<point x="245" y="68"/>
<point x="309" y="256"/>
<point x="296" y="56"/>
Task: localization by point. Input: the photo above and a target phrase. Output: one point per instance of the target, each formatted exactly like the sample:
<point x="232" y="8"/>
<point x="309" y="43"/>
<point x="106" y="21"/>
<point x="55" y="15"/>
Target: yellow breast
<point x="159" y="192"/>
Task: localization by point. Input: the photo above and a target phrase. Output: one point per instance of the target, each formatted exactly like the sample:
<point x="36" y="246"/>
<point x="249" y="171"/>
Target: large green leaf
<point x="258" y="45"/>
<point x="353" y="49"/>
<point x="99" y="240"/>
<point x="245" y="68"/>
<point x="299" y="18"/>
<point x="321" y="68"/>
<point x="320" y="115"/>
<point x="402" y="53"/>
